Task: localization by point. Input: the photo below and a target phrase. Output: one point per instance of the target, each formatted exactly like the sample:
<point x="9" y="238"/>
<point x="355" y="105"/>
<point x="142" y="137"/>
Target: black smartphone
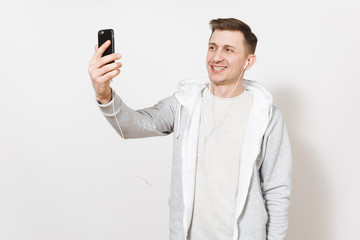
<point x="103" y="36"/>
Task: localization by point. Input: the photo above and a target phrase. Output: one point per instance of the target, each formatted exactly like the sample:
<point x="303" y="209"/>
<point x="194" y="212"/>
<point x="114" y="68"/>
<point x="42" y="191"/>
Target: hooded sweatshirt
<point x="264" y="184"/>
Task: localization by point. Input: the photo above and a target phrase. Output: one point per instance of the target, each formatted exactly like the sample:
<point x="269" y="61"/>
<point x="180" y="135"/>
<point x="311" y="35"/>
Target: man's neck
<point x="223" y="90"/>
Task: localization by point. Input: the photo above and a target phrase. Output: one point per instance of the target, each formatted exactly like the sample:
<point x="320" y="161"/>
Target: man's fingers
<point x="109" y="75"/>
<point x="99" y="62"/>
<point x="109" y="67"/>
<point x="96" y="47"/>
<point x="99" y="52"/>
<point x="106" y="59"/>
<point x="98" y="73"/>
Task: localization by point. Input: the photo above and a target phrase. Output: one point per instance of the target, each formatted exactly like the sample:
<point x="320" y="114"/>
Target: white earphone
<point x="247" y="63"/>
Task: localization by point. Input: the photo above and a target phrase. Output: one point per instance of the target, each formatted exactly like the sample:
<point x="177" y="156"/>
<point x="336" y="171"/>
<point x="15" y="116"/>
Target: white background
<point x="66" y="174"/>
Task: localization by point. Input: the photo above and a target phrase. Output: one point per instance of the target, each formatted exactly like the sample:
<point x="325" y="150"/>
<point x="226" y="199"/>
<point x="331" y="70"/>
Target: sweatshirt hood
<point x="190" y="89"/>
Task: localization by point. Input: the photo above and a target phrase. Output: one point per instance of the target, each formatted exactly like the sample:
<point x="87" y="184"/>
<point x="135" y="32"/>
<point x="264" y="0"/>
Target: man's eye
<point x="228" y="50"/>
<point x="211" y="47"/>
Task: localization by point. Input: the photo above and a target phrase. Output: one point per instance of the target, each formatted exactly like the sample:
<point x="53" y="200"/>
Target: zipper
<point x="179" y="123"/>
<point x="183" y="156"/>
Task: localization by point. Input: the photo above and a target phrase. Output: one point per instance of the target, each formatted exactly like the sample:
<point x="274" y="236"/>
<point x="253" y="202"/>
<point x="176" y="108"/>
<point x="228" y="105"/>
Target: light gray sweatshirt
<point x="263" y="194"/>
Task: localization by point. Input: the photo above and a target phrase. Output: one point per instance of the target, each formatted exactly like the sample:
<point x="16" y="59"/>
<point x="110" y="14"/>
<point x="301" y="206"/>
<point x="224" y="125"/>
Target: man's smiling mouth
<point x="218" y="68"/>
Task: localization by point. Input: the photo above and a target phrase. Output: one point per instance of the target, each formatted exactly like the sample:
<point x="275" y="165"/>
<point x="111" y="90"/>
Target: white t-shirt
<point x="222" y="128"/>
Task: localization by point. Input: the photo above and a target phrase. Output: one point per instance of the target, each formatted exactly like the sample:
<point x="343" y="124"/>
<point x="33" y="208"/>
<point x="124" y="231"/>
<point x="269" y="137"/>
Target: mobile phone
<point x="103" y="36"/>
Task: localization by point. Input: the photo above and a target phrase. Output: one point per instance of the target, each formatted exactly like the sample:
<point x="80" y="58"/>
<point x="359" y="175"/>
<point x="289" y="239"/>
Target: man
<point x="231" y="170"/>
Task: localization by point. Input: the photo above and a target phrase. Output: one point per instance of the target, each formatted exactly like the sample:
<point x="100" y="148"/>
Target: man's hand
<point x="101" y="73"/>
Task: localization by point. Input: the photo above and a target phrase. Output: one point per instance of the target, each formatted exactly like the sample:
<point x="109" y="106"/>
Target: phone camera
<point x="101" y="32"/>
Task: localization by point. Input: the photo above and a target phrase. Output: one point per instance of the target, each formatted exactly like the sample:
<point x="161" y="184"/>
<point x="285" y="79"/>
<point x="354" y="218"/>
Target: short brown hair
<point x="234" y="24"/>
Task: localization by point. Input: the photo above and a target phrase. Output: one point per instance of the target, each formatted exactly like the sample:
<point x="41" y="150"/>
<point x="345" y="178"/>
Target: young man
<point x="231" y="170"/>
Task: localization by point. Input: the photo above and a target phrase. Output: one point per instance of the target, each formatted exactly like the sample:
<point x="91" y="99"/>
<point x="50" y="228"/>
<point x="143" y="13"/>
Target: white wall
<point x="65" y="174"/>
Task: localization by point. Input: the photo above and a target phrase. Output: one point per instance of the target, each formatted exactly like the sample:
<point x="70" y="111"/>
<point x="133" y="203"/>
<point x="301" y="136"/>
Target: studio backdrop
<point x="66" y="174"/>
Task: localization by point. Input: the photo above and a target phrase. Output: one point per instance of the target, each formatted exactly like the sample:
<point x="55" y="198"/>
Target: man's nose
<point x="218" y="57"/>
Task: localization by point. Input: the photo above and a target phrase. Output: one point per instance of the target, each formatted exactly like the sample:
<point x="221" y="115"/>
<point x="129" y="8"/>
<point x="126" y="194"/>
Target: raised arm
<point x="157" y="120"/>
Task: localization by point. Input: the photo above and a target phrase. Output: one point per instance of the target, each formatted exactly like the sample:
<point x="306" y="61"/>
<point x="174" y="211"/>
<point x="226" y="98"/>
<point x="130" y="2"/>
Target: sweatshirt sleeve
<point x="157" y="120"/>
<point x="276" y="171"/>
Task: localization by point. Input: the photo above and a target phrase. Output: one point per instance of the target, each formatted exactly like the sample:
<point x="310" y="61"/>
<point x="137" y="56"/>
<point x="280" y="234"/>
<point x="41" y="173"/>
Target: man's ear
<point x="251" y="61"/>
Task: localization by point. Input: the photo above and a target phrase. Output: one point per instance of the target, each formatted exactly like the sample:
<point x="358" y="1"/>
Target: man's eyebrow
<point x="226" y="46"/>
<point x="230" y="46"/>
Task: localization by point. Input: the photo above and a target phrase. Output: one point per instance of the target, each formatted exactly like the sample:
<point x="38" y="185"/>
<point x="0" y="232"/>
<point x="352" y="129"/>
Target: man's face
<point x="226" y="56"/>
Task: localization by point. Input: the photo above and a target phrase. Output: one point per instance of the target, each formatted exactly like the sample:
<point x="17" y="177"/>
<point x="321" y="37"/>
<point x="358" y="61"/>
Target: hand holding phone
<point x="102" y="66"/>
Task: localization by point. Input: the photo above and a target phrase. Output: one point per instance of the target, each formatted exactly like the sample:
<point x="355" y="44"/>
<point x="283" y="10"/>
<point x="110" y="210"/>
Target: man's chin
<point x="217" y="81"/>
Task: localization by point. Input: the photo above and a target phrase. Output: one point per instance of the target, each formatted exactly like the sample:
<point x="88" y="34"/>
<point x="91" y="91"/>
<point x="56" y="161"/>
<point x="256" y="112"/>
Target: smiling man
<point x="228" y="53"/>
<point x="231" y="169"/>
